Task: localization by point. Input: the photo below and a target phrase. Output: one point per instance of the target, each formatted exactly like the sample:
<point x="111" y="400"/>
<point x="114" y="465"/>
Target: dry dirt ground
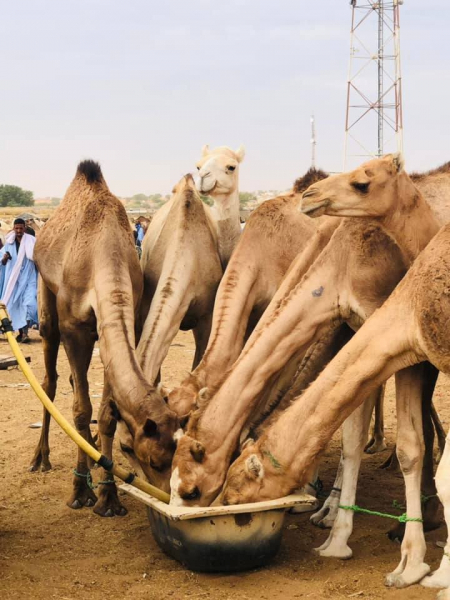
<point x="50" y="551"/>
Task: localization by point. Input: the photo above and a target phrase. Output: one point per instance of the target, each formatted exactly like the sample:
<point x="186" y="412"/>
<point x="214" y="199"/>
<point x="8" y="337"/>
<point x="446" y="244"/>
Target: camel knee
<point x="82" y="419"/>
<point x="410" y="451"/>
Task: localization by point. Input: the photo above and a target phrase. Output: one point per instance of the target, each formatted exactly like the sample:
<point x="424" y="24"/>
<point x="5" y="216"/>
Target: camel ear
<point x="163" y="391"/>
<point x="248" y="442"/>
<point x="150" y="428"/>
<point x="205" y="150"/>
<point x="254" y="467"/>
<point x="240" y="153"/>
<point x="197" y="451"/>
<point x="204" y="395"/>
<point x="398" y="162"/>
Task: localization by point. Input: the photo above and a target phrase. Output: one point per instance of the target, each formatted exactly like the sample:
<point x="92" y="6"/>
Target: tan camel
<point x="90" y="289"/>
<point x="353" y="275"/>
<point x="186" y="247"/>
<point x="218" y="172"/>
<point x="411" y="327"/>
<point x="273" y="236"/>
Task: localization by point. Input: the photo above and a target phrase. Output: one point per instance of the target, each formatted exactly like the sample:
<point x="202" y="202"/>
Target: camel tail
<point x="91" y="171"/>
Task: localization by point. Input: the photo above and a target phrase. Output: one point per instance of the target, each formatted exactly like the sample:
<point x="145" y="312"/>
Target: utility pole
<point x="373" y="92"/>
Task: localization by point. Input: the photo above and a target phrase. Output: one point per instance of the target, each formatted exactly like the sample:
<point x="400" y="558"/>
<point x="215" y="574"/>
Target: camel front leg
<point x="441" y="577"/>
<point x="49" y="330"/>
<point x="410" y="450"/>
<point x="354" y="436"/>
<point x="326" y="515"/>
<point x="79" y="345"/>
<point x="108" y="503"/>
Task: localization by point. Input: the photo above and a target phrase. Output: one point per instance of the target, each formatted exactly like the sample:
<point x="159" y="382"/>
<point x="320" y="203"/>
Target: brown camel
<point x="353" y="275"/>
<point x="273" y="236"/>
<point x="90" y="289"/>
<point x="186" y="247"/>
<point x="411" y="327"/>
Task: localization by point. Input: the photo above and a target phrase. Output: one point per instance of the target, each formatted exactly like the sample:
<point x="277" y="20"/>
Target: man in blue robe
<point x="18" y="279"/>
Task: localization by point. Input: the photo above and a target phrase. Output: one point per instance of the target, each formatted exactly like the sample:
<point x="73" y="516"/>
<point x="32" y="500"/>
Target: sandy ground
<point x="50" y="551"/>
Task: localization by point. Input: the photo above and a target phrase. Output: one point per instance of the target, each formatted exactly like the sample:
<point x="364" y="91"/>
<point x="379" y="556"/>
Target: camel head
<point x="371" y="190"/>
<point x="197" y="476"/>
<point x="254" y="476"/>
<point x="149" y="443"/>
<point x="218" y="170"/>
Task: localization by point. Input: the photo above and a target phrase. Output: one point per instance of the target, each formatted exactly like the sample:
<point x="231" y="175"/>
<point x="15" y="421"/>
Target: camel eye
<point x="231" y="168"/>
<point x="198" y="168"/>
<point x="361" y="187"/>
<point x="126" y="449"/>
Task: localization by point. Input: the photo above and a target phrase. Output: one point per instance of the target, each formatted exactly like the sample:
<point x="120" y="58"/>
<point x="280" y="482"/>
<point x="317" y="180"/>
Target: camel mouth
<point x="205" y="189"/>
<point x="313" y="209"/>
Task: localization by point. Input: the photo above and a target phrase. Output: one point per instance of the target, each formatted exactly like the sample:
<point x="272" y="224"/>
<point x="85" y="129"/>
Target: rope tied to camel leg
<point x="400" y="518"/>
<point x="88" y="478"/>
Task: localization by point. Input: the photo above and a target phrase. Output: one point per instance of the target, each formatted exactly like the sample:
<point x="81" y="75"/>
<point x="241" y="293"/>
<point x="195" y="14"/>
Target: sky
<point x="142" y="85"/>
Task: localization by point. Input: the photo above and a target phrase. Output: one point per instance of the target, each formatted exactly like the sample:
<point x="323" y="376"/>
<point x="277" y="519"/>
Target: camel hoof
<point x="76" y="504"/>
<point x="89" y="502"/>
<point x="373" y="447"/>
<point x="409" y="576"/>
<point x="436" y="580"/>
<point x="334" y="551"/>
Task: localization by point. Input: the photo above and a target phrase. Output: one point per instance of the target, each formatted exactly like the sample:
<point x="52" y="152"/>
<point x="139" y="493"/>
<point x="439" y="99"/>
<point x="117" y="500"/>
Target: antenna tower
<point x="373" y="123"/>
<point x="313" y="142"/>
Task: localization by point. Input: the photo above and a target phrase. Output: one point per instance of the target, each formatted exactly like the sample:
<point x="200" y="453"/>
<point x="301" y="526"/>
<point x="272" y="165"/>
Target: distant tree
<point x="139" y="198"/>
<point x="55" y="201"/>
<point x="245" y="198"/>
<point x="12" y="195"/>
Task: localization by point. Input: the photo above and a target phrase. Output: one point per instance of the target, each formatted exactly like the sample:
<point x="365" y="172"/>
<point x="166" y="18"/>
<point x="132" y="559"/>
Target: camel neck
<point x="226" y="206"/>
<point x="411" y="221"/>
<point x="225" y="213"/>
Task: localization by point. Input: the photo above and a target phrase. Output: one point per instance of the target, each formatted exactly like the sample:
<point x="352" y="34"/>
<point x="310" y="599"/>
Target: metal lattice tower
<point x="373" y="123"/>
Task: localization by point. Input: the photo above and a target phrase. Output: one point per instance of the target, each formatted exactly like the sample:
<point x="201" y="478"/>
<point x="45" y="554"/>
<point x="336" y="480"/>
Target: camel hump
<point x="90" y="170"/>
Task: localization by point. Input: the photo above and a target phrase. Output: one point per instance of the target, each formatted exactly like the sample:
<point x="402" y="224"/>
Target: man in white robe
<point x="18" y="279"/>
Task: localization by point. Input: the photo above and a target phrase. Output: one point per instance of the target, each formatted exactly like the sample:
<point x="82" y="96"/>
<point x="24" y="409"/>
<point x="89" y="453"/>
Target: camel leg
<point x="326" y="515"/>
<point x="409" y="384"/>
<point x="440" y="432"/>
<point x="79" y="344"/>
<point x="441" y="577"/>
<point x="431" y="503"/>
<point x="108" y="503"/>
<point x="354" y="437"/>
<point x="377" y="443"/>
<point x="201" y="334"/>
<point x="49" y="330"/>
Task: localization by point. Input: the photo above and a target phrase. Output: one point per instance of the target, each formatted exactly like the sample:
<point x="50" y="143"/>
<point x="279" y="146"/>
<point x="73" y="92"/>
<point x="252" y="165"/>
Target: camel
<point x="353" y="275"/>
<point x="411" y="327"/>
<point x="90" y="289"/>
<point x="273" y="236"/>
<point x="184" y="252"/>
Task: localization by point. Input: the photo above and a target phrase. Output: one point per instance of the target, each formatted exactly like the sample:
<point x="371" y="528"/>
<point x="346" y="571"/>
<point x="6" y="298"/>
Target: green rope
<point x="88" y="478"/>
<point x="272" y="459"/>
<point x="402" y="518"/>
<point x="424" y="499"/>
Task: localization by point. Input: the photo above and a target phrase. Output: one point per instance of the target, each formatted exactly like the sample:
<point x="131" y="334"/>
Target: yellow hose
<point x="63" y="423"/>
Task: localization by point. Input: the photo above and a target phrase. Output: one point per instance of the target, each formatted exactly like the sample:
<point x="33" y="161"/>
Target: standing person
<point x="18" y="279"/>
